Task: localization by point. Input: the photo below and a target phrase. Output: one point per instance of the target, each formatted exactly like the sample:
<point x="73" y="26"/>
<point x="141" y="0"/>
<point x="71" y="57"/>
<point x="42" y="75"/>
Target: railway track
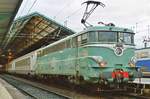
<point x="122" y="94"/>
<point x="34" y="92"/>
<point x="31" y="91"/>
<point x="134" y="96"/>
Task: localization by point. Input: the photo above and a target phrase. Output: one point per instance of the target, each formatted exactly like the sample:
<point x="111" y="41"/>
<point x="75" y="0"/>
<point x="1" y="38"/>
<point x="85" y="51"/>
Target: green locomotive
<point x="98" y="54"/>
<point x="102" y="54"/>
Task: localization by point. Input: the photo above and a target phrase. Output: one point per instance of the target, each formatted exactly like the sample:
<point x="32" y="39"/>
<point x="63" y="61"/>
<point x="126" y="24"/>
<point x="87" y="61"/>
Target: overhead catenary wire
<point x="69" y="16"/>
<point x="139" y="24"/>
<point x="142" y="21"/>
<point x="146" y="30"/>
<point x="62" y="9"/>
<point x="31" y="6"/>
<point x="73" y="13"/>
<point x="25" y="5"/>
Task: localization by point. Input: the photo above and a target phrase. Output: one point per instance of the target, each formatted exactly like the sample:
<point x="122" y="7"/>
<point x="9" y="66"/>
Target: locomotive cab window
<point x="129" y="38"/>
<point x="126" y="38"/>
<point x="107" y="36"/>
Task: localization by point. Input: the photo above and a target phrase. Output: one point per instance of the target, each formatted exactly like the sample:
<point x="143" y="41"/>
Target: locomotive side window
<point x="120" y="38"/>
<point x="92" y="37"/>
<point x="132" y="38"/>
<point x="51" y="49"/>
<point x="79" y="40"/>
<point x="74" y="41"/>
<point x="84" y="38"/>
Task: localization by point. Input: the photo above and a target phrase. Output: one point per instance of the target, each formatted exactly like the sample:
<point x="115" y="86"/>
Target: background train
<point x="98" y="55"/>
<point x="143" y="60"/>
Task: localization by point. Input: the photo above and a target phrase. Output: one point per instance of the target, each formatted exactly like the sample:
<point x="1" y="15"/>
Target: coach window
<point x="144" y="55"/>
<point x="138" y="55"/>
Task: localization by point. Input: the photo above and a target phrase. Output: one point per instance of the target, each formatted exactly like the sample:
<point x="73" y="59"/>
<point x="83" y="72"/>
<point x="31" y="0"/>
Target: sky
<point x="132" y="14"/>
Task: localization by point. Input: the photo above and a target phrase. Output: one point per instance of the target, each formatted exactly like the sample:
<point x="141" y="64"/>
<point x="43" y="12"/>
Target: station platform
<point x="4" y="94"/>
<point x="142" y="85"/>
<point x="9" y="92"/>
<point x="142" y="80"/>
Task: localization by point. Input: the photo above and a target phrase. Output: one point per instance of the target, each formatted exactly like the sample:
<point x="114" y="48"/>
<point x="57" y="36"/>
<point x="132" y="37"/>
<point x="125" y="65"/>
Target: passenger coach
<point x="143" y="56"/>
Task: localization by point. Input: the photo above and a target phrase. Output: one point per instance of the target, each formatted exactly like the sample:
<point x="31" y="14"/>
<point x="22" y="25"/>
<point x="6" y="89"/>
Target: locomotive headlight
<point x="98" y="59"/>
<point x="131" y="64"/>
<point x="132" y="61"/>
<point x="103" y="63"/>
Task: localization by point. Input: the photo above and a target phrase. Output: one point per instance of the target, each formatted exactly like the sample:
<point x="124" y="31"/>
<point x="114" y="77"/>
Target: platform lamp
<point x="10" y="55"/>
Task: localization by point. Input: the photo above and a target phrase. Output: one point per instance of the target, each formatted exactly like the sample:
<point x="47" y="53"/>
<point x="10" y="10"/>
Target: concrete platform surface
<point x="142" y="80"/>
<point x="7" y="91"/>
<point x="4" y="94"/>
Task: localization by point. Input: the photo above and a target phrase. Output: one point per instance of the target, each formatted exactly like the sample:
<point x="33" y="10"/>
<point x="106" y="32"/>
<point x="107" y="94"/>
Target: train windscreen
<point x="111" y="37"/>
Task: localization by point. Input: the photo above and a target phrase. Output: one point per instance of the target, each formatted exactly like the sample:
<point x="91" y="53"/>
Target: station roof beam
<point x="8" y="11"/>
<point x="34" y="31"/>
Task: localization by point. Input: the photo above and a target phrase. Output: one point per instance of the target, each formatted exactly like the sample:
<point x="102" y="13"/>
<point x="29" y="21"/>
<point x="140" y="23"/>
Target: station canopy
<point x="33" y="31"/>
<point x="8" y="11"/>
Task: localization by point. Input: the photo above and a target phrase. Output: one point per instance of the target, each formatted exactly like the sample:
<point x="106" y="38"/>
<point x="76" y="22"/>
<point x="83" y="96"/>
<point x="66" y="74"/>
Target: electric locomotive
<point x="110" y="54"/>
<point x="97" y="55"/>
